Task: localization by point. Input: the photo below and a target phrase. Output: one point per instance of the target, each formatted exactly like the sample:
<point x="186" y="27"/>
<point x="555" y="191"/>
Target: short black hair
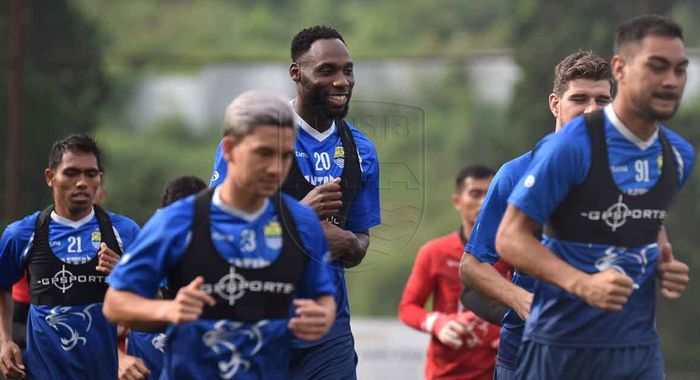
<point x="181" y="187"/>
<point x="474" y="171"/>
<point x="634" y="30"/>
<point x="74" y="143"/>
<point x="301" y="43"/>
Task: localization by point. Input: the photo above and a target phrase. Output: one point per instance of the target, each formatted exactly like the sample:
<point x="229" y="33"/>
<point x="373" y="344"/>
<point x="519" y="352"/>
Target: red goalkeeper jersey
<point x="436" y="272"/>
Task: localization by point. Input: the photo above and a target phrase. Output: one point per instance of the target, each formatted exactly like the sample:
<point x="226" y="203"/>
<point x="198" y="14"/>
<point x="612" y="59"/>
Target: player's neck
<point x="74" y="215"/>
<point x="640" y="126"/>
<point x="239" y="198"/>
<point x="467" y="229"/>
<point x="319" y="123"/>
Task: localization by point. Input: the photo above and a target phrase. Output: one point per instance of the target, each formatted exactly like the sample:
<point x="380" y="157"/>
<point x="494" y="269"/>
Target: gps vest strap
<point x="350" y="181"/>
<point x="241" y="294"/>
<point x="597" y="212"/>
<point x="55" y="283"/>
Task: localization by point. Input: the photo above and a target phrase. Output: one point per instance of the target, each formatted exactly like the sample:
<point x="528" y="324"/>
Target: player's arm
<point x="315" y="307"/>
<point x="418" y="288"/>
<point x="346" y="246"/>
<point x="485" y="308"/>
<point x="485" y="279"/>
<point x="13" y="242"/>
<point x="11" y="364"/>
<point x="313" y="318"/>
<point x="140" y="313"/>
<point x="447" y="328"/>
<point x="517" y="244"/>
<point x="674" y="274"/>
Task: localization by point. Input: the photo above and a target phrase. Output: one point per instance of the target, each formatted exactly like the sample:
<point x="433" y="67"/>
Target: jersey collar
<point x="626" y="133"/>
<point x="72" y="223"/>
<point x="320" y="136"/>
<point x="247" y="216"/>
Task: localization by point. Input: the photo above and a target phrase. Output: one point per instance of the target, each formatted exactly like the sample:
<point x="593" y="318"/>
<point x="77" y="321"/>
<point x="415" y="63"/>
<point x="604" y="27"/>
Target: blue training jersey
<point x="210" y="349"/>
<point x="482" y="245"/>
<point x="149" y="347"/>
<point x="320" y="161"/>
<point x="561" y="162"/>
<point x="63" y="341"/>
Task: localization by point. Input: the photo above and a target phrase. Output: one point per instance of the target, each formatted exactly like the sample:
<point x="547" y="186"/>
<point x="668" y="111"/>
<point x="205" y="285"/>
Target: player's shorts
<point x="332" y="360"/>
<point x="544" y="362"/>
<point x="502" y="372"/>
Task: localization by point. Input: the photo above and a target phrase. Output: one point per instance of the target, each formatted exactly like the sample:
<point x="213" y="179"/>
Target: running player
<point x="67" y="250"/>
<point x="461" y="345"/>
<point x="582" y="83"/>
<point x="601" y="189"/>
<point x="234" y="256"/>
<point x="336" y="172"/>
<point x="148" y="346"/>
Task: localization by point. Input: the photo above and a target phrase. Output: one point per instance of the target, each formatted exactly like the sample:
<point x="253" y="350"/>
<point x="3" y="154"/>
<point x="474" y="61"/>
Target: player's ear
<point x="228" y="144"/>
<point x="48" y="176"/>
<point x="554" y="105"/>
<point x="455" y="201"/>
<point x="617" y="63"/>
<point x="295" y="72"/>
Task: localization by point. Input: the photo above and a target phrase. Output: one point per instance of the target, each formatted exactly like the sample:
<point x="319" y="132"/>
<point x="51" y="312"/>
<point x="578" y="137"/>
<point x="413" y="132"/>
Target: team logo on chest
<point x="273" y="234"/>
<point x="96" y="239"/>
<point x="339" y="156"/>
<point x="617" y="215"/>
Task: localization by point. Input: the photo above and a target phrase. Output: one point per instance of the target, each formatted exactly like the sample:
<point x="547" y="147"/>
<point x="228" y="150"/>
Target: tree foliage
<point x="63" y="85"/>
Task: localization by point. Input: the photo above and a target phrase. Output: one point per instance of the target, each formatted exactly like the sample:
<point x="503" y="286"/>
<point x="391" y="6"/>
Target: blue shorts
<point x="332" y="360"/>
<point x="542" y="362"/>
<point x="502" y="372"/>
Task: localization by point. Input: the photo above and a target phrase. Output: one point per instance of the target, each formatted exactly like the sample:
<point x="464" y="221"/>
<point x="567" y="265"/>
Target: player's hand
<point x="448" y="330"/>
<point x="608" y="290"/>
<point x="107" y="259"/>
<point x="311" y="320"/>
<point x="11" y="364"/>
<point x="673" y="273"/>
<point x="340" y="241"/>
<point x="188" y="303"/>
<point x="521" y="302"/>
<point x="325" y="199"/>
<point x="132" y="368"/>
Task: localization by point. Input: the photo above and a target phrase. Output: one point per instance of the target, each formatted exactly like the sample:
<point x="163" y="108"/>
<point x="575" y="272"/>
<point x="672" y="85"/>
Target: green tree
<point x="63" y="85"/>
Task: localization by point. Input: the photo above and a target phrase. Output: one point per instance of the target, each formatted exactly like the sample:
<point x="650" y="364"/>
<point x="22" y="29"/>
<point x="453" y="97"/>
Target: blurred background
<point x="439" y="85"/>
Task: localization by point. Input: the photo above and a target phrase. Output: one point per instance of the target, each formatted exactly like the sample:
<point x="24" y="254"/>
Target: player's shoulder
<point x="180" y="211"/>
<point x="362" y="141"/>
<point x="515" y="168"/>
<point x="22" y="228"/>
<point x="677" y="141"/>
<point x="441" y="243"/>
<point x="120" y="221"/>
<point x="572" y="138"/>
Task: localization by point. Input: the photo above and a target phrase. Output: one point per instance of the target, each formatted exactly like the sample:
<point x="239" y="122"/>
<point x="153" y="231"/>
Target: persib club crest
<point x="96" y="239"/>
<point x="339" y="156"/>
<point x="273" y="234"/>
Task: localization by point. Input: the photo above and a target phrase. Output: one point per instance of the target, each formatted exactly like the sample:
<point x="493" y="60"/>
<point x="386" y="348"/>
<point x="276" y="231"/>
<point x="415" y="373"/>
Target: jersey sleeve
<point x="13" y="246"/>
<point x="364" y="212"/>
<point x="482" y="241"/>
<point x="218" y="173"/>
<point x="316" y="279"/>
<point x="126" y="230"/>
<point x="684" y="154"/>
<point x="155" y="251"/>
<point x="418" y="288"/>
<point x="560" y="162"/>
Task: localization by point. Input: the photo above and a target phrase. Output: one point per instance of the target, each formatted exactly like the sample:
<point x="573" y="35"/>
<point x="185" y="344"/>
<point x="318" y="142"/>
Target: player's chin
<point x="664" y="110"/>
